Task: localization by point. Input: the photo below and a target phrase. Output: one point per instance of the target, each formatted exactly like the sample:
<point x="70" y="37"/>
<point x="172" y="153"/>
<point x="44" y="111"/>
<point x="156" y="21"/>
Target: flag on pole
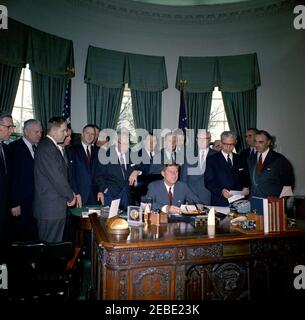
<point x="66" y="113"/>
<point x="182" y="113"/>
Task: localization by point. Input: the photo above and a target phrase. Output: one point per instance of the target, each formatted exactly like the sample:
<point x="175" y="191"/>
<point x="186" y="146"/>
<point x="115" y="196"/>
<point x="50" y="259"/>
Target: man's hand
<point x="100" y="197"/>
<point x="173" y="209"/>
<point x="72" y="202"/>
<point x="16" y="211"/>
<point x="226" y="193"/>
<point x="79" y="203"/>
<point x="133" y="177"/>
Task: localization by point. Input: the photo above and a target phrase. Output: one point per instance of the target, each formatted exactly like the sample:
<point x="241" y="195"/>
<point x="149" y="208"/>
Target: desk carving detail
<point x="148" y="256"/>
<point x="214" y="250"/>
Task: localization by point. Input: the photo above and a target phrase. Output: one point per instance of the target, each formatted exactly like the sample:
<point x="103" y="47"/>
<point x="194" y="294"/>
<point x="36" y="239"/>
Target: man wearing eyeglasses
<point x="225" y="171"/>
<point x="6" y="129"/>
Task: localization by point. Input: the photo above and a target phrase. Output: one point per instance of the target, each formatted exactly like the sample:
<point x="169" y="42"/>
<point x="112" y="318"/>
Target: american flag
<point x="66" y="113"/>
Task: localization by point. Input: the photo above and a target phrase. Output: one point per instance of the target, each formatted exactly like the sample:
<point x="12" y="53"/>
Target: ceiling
<point x="189" y="2"/>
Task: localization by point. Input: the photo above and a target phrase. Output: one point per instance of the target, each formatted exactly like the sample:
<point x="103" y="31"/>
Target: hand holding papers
<point x="235" y="195"/>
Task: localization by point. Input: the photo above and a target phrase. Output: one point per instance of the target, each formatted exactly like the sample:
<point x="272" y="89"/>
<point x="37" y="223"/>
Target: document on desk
<point x="114" y="208"/>
<point x="188" y="207"/>
<point x="236" y="195"/>
<point x="224" y="210"/>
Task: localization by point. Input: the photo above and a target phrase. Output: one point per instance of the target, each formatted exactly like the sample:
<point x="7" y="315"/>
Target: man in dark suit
<point x="115" y="172"/>
<point x="168" y="194"/>
<point x="250" y="151"/>
<point x="271" y="171"/>
<point x="52" y="190"/>
<point x="84" y="164"/>
<point x="193" y="172"/>
<point x="225" y="171"/>
<point x="24" y="227"/>
<point x="6" y="129"/>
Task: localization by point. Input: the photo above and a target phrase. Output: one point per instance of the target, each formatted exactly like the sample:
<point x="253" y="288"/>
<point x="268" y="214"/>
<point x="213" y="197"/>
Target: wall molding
<point x="191" y="15"/>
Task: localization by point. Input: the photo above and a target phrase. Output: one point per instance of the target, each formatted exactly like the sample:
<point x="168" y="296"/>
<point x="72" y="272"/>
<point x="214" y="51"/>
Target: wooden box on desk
<point x="158" y="218"/>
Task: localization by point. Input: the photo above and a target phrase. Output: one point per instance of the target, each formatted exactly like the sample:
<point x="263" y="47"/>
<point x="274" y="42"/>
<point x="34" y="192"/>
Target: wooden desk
<point x="181" y="261"/>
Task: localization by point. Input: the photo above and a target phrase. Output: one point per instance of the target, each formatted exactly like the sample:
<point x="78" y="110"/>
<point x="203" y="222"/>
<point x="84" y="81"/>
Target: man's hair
<point x="55" y="122"/>
<point x="90" y="125"/>
<point x="268" y="136"/>
<point x="253" y="129"/>
<point x="30" y="122"/>
<point x="173" y="164"/>
<point x="5" y="115"/>
<point x="228" y="134"/>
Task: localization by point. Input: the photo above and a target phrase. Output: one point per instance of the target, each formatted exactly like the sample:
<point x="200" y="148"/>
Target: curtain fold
<point x="198" y="108"/>
<point x="103" y="105"/>
<point x="9" y="80"/>
<point x="48" y="96"/>
<point x="146" y="107"/>
<point x="241" y="111"/>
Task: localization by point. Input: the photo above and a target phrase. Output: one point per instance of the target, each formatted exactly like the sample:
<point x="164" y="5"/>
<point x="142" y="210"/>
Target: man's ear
<point x="162" y="173"/>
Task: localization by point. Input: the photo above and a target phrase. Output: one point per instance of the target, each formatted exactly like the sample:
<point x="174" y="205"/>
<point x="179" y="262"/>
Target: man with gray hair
<point x="24" y="227"/>
<point x="225" y="171"/>
<point x="6" y="129"/>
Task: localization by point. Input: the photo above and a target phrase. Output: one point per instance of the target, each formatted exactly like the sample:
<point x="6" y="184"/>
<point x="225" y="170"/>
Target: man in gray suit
<point x="52" y="190"/>
<point x="193" y="173"/>
<point x="168" y="194"/>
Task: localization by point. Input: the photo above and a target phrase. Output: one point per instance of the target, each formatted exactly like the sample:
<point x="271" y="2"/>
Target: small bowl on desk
<point x="117" y="225"/>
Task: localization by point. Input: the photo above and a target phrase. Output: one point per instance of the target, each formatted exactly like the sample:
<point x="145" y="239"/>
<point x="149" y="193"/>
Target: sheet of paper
<point x="235" y="197"/>
<point x="114" y="208"/>
<point x="235" y="192"/>
<point x="286" y="192"/>
<point x="189" y="207"/>
<point x="224" y="210"/>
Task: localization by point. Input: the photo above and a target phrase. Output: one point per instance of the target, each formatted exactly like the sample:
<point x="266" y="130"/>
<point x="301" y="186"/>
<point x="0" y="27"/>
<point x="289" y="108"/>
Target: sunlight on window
<point x="126" y="115"/>
<point x="23" y="108"/>
<point x="218" y="120"/>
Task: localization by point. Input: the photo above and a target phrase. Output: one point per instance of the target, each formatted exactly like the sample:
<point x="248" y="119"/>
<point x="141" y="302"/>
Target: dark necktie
<point x="123" y="168"/>
<point x="2" y="158"/>
<point x="173" y="156"/>
<point x="151" y="157"/>
<point x="260" y="164"/>
<point x="170" y="196"/>
<point x="88" y="154"/>
<point x="229" y="161"/>
<point x="34" y="148"/>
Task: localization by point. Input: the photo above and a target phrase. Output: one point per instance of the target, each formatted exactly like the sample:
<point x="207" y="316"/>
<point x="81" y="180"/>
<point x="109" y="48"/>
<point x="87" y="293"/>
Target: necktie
<point x="150" y="157"/>
<point x="229" y="161"/>
<point x="88" y="154"/>
<point x="123" y="167"/>
<point x="260" y="164"/>
<point x="34" y="147"/>
<point x="173" y="157"/>
<point x="170" y="196"/>
<point x="2" y="158"/>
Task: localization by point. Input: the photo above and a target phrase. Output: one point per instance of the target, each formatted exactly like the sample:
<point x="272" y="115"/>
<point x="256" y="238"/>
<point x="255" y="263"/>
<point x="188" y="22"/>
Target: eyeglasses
<point x="9" y="127"/>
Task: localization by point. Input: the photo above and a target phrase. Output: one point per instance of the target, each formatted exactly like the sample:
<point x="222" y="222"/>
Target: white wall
<point x="280" y="49"/>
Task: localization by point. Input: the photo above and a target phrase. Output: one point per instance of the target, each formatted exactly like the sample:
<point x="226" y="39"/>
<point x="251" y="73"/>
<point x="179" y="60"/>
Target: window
<point x="23" y="108"/>
<point x="126" y="115"/>
<point x="218" y="120"/>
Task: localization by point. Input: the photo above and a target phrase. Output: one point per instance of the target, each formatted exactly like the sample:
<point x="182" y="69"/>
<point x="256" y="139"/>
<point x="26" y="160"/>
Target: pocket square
<point x="269" y="169"/>
<point x="132" y="164"/>
<point x="240" y="169"/>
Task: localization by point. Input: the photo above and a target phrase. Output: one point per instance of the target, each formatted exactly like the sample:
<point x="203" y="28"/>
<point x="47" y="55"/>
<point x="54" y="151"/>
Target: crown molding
<point x="199" y="14"/>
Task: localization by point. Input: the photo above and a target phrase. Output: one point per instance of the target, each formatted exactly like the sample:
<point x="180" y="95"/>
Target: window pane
<point x="17" y="118"/>
<point x="27" y="73"/>
<point x="27" y="95"/>
<point x="18" y="99"/>
<point x="27" y="114"/>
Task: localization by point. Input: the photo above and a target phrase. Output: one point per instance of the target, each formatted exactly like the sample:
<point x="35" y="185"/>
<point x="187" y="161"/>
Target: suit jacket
<point x="110" y="176"/>
<point x="276" y="173"/>
<point x="159" y="195"/>
<point x="22" y="177"/>
<point x="4" y="196"/>
<point x="52" y="189"/>
<point x="218" y="176"/>
<point x="194" y="177"/>
<point x="83" y="173"/>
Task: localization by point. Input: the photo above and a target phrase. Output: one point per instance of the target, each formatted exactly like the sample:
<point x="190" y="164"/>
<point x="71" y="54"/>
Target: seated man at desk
<point x="168" y="194"/>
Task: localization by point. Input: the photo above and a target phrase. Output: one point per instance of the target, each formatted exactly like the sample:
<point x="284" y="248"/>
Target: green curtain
<point x="146" y="107"/>
<point x="48" y="96"/>
<point x="52" y="65"/>
<point x="103" y="105"/>
<point x="198" y="109"/>
<point x="241" y="111"/>
<point x="12" y="58"/>
<point x="9" y="80"/>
